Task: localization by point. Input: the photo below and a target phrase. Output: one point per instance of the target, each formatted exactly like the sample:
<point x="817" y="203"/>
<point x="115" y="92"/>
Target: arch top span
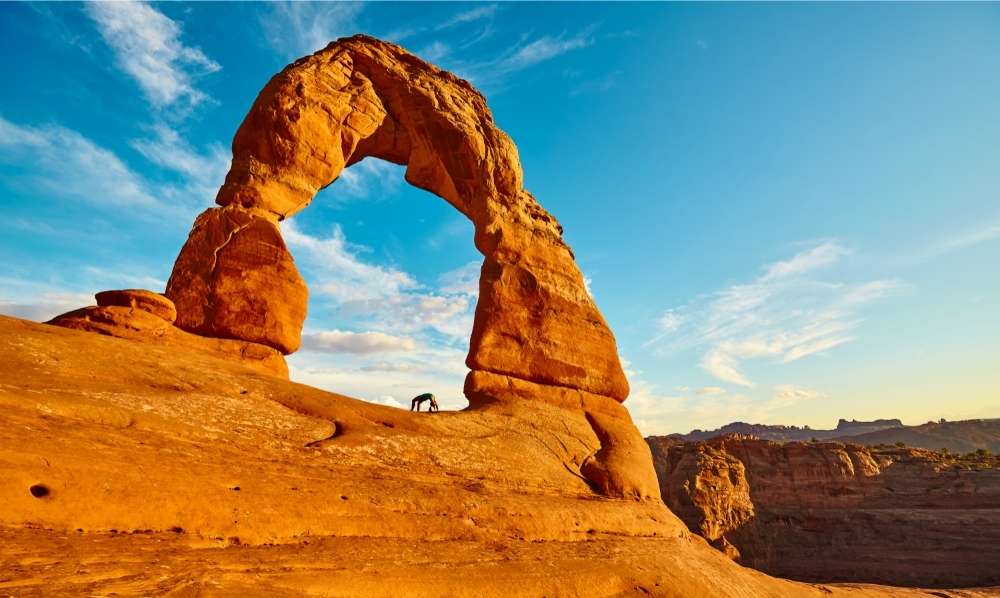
<point x="535" y="323"/>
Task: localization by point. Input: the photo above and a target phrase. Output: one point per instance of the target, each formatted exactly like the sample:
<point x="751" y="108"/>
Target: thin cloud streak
<point x="469" y="16"/>
<point x="295" y="29"/>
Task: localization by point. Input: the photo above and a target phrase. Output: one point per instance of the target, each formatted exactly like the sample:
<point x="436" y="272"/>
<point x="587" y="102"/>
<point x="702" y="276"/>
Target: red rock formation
<point x="537" y="334"/>
<point x="147" y="317"/>
<point x="706" y="487"/>
<point x="835" y="512"/>
<point x="235" y="279"/>
<point x="224" y="482"/>
<point x="139" y="299"/>
<point x="360" y="98"/>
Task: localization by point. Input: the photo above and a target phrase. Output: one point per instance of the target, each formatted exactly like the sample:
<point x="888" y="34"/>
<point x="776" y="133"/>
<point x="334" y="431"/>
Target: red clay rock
<point x="361" y="97"/>
<point x="832" y="512"/>
<point x="235" y="279"/>
<point x="622" y="467"/>
<point x="140" y="299"/>
<point x="706" y="487"/>
<point x="143" y="326"/>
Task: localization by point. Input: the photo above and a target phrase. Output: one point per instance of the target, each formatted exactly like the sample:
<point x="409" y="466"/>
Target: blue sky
<point x="788" y="213"/>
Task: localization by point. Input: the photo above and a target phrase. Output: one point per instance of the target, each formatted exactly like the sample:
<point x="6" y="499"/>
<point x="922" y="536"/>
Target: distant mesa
<point x="956" y="436"/>
<point x="786" y="433"/>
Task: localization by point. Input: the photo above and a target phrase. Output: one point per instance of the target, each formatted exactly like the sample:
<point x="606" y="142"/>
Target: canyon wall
<point x="829" y="511"/>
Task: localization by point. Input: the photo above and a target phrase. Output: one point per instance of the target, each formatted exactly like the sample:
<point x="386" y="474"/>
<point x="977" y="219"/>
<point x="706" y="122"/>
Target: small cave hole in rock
<point x="393" y="278"/>
<point x="39" y="490"/>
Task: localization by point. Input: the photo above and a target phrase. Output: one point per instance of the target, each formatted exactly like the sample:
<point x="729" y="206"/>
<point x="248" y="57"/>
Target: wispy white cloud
<point x="434" y="51"/>
<point x="656" y="412"/>
<point x="669" y="321"/>
<point x="786" y="395"/>
<point x="295" y="29"/>
<point x="820" y="256"/>
<point x="167" y="149"/>
<point x="785" y="314"/>
<point x="341" y="274"/>
<point x="375" y="296"/>
<point x="343" y="341"/>
<point x="596" y="85"/>
<point x="148" y="47"/>
<point x="526" y="53"/>
<point x="544" y="48"/>
<point x="369" y="178"/>
<point x="53" y="160"/>
<point x="44" y="306"/>
<point x="968" y="238"/>
<point x="710" y="390"/>
<point x="484" y="11"/>
<point x="463" y="280"/>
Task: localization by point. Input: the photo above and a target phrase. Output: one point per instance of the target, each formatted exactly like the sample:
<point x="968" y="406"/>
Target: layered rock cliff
<point x="838" y="512"/>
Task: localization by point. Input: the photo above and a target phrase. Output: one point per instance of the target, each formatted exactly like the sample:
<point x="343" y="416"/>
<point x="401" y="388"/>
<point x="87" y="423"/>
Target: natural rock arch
<point x="535" y="323"/>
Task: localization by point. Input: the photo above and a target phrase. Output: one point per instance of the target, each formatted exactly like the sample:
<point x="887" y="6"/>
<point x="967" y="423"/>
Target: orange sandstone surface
<point x="166" y="469"/>
<point x="153" y="444"/>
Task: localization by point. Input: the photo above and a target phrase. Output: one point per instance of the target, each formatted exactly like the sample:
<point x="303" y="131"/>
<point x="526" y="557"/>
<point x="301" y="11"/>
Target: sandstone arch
<point x="535" y="323"/>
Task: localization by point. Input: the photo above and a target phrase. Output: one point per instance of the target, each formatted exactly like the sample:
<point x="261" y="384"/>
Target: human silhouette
<point x="418" y="400"/>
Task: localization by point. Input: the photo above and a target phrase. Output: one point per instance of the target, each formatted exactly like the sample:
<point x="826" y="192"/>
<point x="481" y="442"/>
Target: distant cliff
<point x="958" y="437"/>
<point x="830" y="512"/>
<point x="787" y="433"/>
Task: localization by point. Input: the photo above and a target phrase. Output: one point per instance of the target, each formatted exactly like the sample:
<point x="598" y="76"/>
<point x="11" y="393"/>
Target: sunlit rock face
<point x="236" y="279"/>
<point x="828" y="511"/>
<point x="359" y="98"/>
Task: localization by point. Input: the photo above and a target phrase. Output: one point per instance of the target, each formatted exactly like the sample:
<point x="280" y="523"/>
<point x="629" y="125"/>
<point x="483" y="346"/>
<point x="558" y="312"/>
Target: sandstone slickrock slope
<point x="132" y="468"/>
<point x="833" y="512"/>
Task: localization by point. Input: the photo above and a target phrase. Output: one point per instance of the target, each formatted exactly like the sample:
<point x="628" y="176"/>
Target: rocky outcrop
<point x="359" y="98"/>
<point x="836" y="512"/>
<point x="706" y="487"/>
<point x="537" y="335"/>
<point x="235" y="279"/>
<point x="141" y="300"/>
<point x="147" y="317"/>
